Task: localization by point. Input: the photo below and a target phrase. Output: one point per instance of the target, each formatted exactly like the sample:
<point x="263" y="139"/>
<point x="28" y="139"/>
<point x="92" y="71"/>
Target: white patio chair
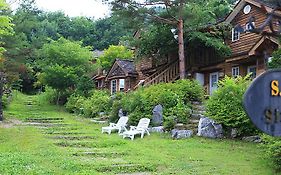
<point x="120" y="126"/>
<point x="141" y="129"/>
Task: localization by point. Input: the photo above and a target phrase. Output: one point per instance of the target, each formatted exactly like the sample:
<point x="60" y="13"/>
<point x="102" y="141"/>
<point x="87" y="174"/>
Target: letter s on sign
<point x="274" y="88"/>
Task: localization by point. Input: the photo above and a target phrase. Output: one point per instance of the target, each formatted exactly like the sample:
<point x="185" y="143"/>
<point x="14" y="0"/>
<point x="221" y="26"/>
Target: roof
<point x="268" y="6"/>
<point x="127" y="65"/>
<point x="122" y="68"/>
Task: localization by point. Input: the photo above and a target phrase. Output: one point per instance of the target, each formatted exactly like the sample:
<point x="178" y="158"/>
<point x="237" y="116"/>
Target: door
<point x="214" y="78"/>
<point x="200" y="78"/>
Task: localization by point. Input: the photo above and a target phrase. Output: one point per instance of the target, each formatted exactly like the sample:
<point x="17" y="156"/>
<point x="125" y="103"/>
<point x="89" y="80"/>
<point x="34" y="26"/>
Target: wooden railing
<point x="170" y="73"/>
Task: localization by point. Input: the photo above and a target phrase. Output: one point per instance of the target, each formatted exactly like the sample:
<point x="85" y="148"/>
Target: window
<point x="249" y="27"/>
<point x="253" y="70"/>
<point x="113" y="87"/>
<point x="121" y="85"/>
<point x="235" y="71"/>
<point x="235" y="34"/>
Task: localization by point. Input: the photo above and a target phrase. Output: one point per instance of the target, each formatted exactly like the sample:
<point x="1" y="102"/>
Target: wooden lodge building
<point x="251" y="52"/>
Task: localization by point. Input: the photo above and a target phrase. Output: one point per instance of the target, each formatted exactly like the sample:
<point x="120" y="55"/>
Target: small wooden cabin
<point x="122" y="76"/>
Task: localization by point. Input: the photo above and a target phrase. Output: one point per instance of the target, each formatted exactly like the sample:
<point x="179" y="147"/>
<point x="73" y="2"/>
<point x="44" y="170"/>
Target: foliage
<point x="113" y="53"/>
<point x="156" y="21"/>
<point x="273" y="146"/>
<point x="64" y="63"/>
<point x="169" y="123"/>
<point x="75" y="103"/>
<point x="34" y="148"/>
<point x="99" y="101"/>
<point x="225" y="105"/>
<point x="174" y="97"/>
<point x="276" y="60"/>
<point x="5" y="24"/>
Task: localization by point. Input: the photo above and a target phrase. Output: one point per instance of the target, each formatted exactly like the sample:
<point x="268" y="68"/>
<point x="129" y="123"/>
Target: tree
<point x="5" y="29"/>
<point x="5" y="24"/>
<point x="276" y="60"/>
<point x="64" y="63"/>
<point x="172" y="13"/>
<point x="112" y="53"/>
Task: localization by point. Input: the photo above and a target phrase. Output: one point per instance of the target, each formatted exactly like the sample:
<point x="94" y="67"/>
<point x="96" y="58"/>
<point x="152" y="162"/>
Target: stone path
<point x="83" y="144"/>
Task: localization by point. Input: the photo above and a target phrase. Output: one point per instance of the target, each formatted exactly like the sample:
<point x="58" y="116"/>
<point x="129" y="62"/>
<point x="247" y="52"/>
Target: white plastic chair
<point x="141" y="129"/>
<point x="120" y="126"/>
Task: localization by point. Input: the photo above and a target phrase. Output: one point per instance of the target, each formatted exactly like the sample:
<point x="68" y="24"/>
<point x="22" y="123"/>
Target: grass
<point x="78" y="147"/>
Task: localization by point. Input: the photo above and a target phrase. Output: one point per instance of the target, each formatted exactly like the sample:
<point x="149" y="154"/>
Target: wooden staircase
<point x="167" y="73"/>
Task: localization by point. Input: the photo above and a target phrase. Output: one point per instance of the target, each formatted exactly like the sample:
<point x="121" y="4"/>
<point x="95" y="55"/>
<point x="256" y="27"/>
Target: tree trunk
<point x="181" y="42"/>
<point x="1" y="95"/>
<point x="181" y="50"/>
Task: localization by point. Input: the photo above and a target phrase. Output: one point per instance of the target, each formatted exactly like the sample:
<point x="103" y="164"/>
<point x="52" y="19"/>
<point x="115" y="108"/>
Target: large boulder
<point x="157" y="119"/>
<point x="180" y="134"/>
<point x="159" y="129"/>
<point x="120" y="113"/>
<point x="209" y="128"/>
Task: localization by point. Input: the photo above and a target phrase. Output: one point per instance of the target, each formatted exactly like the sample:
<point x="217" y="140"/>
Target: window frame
<point x="113" y="91"/>
<point x="121" y="89"/>
<point x="235" y="71"/>
<point x="248" y="70"/>
<point x="233" y="35"/>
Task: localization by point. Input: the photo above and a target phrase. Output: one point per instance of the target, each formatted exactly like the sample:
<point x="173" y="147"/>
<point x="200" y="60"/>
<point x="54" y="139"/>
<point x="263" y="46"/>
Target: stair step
<point x="197" y="116"/>
<point x="99" y="154"/>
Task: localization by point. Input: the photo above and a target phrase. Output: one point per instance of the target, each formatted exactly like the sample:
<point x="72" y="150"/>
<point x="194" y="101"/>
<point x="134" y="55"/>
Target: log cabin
<point x="251" y="52"/>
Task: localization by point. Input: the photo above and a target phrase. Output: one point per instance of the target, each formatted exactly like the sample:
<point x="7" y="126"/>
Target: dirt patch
<point x="10" y="123"/>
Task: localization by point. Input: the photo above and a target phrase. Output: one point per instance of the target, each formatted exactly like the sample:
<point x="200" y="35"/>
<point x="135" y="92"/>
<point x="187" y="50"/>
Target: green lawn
<point x="74" y="145"/>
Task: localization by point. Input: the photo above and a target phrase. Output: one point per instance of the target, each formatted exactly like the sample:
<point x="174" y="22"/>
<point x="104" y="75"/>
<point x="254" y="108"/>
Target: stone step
<point x="100" y="154"/>
<point x="45" y="124"/>
<point x="197" y="116"/>
<point x="99" y="121"/>
<point x="63" y="133"/>
<point x="198" y="112"/>
<point x="125" y="168"/>
<point x="193" y="121"/>
<point x="67" y="137"/>
<point x="43" y="119"/>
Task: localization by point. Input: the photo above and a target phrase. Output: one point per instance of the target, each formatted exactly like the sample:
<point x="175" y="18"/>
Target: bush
<point x="74" y="103"/>
<point x="225" y="105"/>
<point x="169" y="123"/>
<point x="99" y="101"/>
<point x="174" y="97"/>
<point x="273" y="145"/>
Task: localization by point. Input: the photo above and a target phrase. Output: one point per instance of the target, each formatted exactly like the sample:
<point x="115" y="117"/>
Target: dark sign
<point x="262" y="102"/>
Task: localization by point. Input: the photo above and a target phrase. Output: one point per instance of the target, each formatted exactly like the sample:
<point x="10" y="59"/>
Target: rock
<point x="256" y="139"/>
<point x="159" y="129"/>
<point x="209" y="128"/>
<point x="180" y="134"/>
<point x="157" y="118"/>
<point x="120" y="113"/>
<point x="234" y="133"/>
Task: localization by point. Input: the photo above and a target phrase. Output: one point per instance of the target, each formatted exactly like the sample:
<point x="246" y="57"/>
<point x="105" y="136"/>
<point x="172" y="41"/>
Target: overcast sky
<point x="89" y="8"/>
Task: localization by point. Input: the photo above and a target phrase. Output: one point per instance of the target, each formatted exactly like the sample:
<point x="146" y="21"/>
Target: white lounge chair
<point x="120" y="126"/>
<point x="141" y="129"/>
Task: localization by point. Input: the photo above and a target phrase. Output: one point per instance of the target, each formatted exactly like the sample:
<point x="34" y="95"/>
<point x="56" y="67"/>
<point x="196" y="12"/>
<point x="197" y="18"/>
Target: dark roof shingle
<point x="127" y="65"/>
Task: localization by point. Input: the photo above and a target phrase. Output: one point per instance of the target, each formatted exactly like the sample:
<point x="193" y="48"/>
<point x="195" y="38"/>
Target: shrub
<point x="225" y="105"/>
<point x="169" y="123"/>
<point x="49" y="96"/>
<point x="99" y="101"/>
<point x="273" y="145"/>
<point x="174" y="97"/>
<point x="75" y="103"/>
